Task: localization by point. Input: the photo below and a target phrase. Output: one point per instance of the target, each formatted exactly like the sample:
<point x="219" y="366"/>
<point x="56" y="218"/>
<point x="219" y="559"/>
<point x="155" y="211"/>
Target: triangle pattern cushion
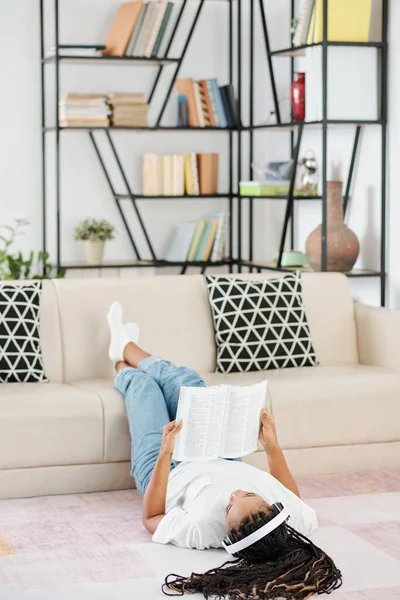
<point x="20" y="351"/>
<point x="259" y="324"/>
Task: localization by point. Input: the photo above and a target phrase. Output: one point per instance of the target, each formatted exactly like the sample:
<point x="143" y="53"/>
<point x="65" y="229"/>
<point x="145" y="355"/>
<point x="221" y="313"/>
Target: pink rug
<point x="93" y="546"/>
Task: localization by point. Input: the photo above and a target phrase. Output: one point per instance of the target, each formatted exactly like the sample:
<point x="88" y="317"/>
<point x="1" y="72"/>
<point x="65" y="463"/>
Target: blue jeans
<point x="151" y="395"/>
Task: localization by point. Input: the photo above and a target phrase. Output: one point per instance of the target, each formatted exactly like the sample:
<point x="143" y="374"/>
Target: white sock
<point x="133" y="331"/>
<point x="118" y="333"/>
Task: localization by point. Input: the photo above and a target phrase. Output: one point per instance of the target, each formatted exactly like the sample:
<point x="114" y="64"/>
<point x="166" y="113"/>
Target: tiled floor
<point x="93" y="547"/>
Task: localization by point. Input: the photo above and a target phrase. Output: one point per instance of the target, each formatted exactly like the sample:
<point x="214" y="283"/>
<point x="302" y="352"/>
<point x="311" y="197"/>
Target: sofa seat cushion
<point x="46" y="424"/>
<point x="117" y="441"/>
<point x="329" y="406"/>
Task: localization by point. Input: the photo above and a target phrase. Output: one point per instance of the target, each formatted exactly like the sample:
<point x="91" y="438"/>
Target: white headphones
<point x="259" y="533"/>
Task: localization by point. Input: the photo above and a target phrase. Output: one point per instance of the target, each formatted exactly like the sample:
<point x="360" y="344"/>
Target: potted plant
<point x="95" y="234"/>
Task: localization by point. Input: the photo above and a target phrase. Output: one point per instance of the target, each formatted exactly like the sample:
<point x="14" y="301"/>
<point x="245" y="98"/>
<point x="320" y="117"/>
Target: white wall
<point x="84" y="189"/>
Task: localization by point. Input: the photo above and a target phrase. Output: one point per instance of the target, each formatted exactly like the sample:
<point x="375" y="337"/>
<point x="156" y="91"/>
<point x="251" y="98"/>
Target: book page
<point x="242" y="419"/>
<point x="202" y="411"/>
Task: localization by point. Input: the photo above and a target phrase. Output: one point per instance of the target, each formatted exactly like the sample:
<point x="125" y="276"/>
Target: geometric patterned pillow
<point x="259" y="324"/>
<point x="20" y="351"/>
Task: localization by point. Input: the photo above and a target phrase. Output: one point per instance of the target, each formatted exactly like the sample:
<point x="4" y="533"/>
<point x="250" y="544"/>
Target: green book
<point x="196" y="240"/>
<point x="162" y="30"/>
<point x="203" y="241"/>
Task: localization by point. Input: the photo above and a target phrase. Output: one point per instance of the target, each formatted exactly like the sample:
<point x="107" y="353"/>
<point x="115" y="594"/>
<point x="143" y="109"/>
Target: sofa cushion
<point x="117" y="441"/>
<point x="329" y="406"/>
<point x="20" y="348"/>
<point x="49" y="424"/>
<point x="259" y="324"/>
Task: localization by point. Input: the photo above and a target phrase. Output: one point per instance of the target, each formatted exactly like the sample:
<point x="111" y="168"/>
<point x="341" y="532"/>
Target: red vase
<point x="299" y="97"/>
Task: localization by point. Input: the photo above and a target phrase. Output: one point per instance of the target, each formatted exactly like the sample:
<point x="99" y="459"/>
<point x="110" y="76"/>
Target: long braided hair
<point x="283" y="564"/>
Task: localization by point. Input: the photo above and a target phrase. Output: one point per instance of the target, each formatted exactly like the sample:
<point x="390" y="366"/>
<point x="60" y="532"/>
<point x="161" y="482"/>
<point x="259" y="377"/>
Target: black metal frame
<point x="235" y="63"/>
<point x="324" y="123"/>
<point x="56" y="61"/>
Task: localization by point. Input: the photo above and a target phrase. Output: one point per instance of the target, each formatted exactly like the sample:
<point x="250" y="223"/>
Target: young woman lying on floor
<point x="258" y="517"/>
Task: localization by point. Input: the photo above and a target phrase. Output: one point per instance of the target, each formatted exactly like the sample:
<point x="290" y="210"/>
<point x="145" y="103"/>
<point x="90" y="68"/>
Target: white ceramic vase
<point x="94" y="252"/>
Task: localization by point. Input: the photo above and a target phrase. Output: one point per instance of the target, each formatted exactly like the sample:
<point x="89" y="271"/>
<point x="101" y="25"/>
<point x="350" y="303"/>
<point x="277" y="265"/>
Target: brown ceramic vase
<point x="342" y="243"/>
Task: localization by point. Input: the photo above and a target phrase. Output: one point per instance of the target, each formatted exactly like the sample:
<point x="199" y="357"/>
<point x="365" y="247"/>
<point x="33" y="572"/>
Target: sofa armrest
<point x="378" y="333"/>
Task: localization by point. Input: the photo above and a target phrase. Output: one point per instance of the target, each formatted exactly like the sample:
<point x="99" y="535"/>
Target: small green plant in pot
<point x="94" y="233"/>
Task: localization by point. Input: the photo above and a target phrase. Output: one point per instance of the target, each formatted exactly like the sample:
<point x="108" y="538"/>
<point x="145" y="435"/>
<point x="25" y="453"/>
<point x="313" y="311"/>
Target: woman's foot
<point x="120" y="334"/>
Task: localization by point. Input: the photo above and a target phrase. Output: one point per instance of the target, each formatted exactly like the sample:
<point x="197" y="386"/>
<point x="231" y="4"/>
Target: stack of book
<point x="140" y="29"/>
<point x="208" y="104"/>
<point x="128" y="110"/>
<point x="89" y="110"/>
<point x="199" y="241"/>
<point x="179" y="174"/>
<point x="348" y="21"/>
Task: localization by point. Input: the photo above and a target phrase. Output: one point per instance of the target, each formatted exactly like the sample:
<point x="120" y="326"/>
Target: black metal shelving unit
<point x="128" y="194"/>
<point x="236" y="259"/>
<point x="296" y="131"/>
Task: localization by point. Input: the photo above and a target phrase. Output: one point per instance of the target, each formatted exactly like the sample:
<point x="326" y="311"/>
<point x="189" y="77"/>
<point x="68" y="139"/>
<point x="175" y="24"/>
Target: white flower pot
<point x="94" y="252"/>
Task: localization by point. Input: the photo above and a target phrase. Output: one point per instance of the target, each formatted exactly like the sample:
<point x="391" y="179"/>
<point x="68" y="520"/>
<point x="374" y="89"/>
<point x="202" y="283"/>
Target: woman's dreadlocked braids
<point x="283" y="564"/>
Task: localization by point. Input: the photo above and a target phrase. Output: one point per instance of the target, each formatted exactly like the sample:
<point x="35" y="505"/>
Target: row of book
<point x="180" y="174"/>
<point x="206" y="104"/>
<point x="100" y="110"/>
<point x="348" y="21"/>
<point x="199" y="241"/>
<point x="140" y="29"/>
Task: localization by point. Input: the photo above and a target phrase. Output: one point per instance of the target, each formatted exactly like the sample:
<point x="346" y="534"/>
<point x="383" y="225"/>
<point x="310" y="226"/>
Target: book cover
<point x="210" y="239"/>
<point x="178" y="175"/>
<point x="216" y="253"/>
<point x="198" y="234"/>
<point x="227" y="109"/>
<point x="167" y="174"/>
<point x="207" y="164"/>
<point x="136" y="30"/>
<point x="213" y="103"/>
<point x="348" y="20"/>
<point x="300" y="24"/>
<point x="122" y="27"/>
<point x="145" y="29"/>
<point x="206" y="104"/>
<point x="180" y="245"/>
<point x="203" y="241"/>
<point x="307" y="21"/>
<point x="163" y="28"/>
<point x="168" y="32"/>
<point x="161" y="7"/>
<point x="199" y="106"/>
<point x="195" y="173"/>
<point x="186" y="87"/>
<point x="220" y="107"/>
<point x="230" y="94"/>
<point x="189" y="184"/>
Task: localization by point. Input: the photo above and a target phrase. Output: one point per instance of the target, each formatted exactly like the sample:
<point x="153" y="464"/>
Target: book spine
<point x="213" y="103"/>
<point x="199" y="106"/>
<point x="146" y="30"/>
<point x="136" y="31"/>
<point x="225" y="102"/>
<point x="203" y="242"/>
<point x="189" y="188"/>
<point x="195" y="174"/>
<point x="220" y="107"/>
<point x="159" y="16"/>
<point x="206" y="104"/>
<point x="232" y="105"/>
<point x="163" y="28"/>
<point x="215" y="256"/>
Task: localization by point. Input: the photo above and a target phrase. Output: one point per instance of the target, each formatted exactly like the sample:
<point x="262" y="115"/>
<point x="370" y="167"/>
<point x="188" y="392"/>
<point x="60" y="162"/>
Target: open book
<point x="220" y="421"/>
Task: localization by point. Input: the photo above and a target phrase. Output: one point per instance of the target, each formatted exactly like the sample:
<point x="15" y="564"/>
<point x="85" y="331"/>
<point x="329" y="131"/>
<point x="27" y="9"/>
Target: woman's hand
<point x="267" y="435"/>
<point x="170" y="432"/>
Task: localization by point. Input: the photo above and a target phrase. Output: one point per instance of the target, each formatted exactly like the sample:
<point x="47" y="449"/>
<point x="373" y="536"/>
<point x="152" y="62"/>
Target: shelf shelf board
<point x="330" y="122"/>
<point x="280" y="197"/>
<point x="184" y="197"/>
<point x="119" y="264"/>
<point x="270" y="265"/>
<point x="300" y="50"/>
<point x="114" y="60"/>
<point x="124" y="128"/>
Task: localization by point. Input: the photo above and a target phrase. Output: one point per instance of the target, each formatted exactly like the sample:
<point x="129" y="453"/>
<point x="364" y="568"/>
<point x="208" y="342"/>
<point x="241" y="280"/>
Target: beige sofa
<point x="71" y="434"/>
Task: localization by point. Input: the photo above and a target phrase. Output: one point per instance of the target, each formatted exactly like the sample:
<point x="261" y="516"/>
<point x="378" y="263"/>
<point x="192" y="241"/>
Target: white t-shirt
<point x="198" y="494"/>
